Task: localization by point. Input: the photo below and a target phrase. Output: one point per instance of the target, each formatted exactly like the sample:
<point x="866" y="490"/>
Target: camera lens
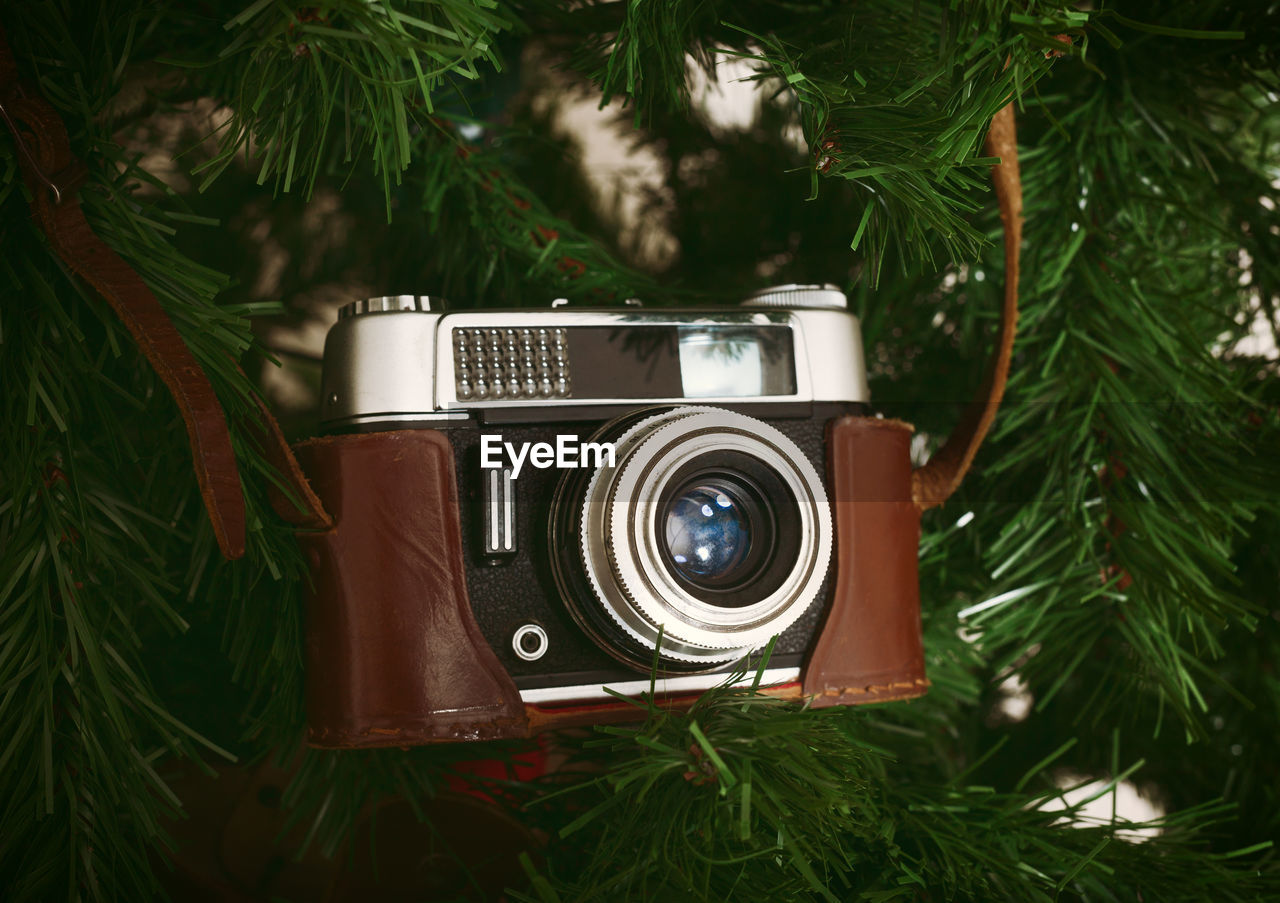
<point x="710" y="531"/>
<point x="709" y="535"/>
<point x="729" y="526"/>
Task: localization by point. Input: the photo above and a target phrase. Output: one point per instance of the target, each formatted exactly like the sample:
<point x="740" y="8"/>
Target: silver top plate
<point x="397" y="360"/>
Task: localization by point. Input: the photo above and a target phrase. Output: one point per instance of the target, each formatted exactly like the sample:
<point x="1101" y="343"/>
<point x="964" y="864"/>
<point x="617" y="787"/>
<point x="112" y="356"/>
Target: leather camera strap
<point x="932" y="484"/>
<point x="53" y="176"/>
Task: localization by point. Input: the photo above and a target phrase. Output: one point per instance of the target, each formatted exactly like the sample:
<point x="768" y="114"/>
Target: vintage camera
<point x="533" y="505"/>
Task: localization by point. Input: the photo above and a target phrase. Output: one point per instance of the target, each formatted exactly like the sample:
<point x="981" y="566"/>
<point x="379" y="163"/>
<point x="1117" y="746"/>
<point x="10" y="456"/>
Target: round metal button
<point x="530" y="642"/>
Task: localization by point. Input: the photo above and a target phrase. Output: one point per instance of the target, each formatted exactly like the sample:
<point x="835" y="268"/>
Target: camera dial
<point x="814" y="297"/>
<point x="712" y="530"/>
<point x="391" y="304"/>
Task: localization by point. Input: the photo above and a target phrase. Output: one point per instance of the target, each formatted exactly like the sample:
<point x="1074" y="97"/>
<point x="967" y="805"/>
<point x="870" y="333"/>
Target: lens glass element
<point x="715" y="530"/>
<point x="707" y="534"/>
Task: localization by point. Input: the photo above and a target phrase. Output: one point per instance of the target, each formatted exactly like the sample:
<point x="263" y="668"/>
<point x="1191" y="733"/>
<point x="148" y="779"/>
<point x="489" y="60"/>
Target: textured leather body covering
<point x="394" y="656"/>
<point x="870" y="648"/>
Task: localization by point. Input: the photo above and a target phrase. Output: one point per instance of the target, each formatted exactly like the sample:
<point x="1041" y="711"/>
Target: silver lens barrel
<point x="627" y="560"/>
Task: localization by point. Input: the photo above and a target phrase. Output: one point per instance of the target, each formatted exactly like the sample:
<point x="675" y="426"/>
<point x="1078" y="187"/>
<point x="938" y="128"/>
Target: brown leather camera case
<point x="870" y="647"/>
<point x="395" y="657"/>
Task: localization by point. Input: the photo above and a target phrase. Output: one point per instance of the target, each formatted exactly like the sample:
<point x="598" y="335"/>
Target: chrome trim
<point x="494" y="501"/>
<point x="694" y="683"/>
<point x="530" y="630"/>
<point x="508" y="511"/>
<point x="830" y="343"/>
<point x="380" y="367"/>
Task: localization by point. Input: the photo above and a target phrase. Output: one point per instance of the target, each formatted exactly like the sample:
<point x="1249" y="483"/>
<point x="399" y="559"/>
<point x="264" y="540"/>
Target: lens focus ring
<point x="631" y="559"/>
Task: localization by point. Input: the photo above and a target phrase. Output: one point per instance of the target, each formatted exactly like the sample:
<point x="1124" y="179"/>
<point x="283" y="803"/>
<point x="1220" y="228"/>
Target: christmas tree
<point x="1098" y="597"/>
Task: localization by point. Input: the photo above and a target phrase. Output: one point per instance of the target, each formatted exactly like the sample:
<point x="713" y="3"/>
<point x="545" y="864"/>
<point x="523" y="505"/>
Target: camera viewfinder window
<point x="704" y="361"/>
<point x="736" y="361"/>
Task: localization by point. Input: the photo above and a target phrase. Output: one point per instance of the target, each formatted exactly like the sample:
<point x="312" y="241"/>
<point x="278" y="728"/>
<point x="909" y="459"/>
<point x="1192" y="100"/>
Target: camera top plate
<point x="396" y="360"/>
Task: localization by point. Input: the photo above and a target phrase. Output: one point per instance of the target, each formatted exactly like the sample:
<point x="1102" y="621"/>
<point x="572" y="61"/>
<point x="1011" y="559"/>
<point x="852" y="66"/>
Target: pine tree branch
<point x="1145" y="441"/>
<point x="801" y="805"/>
<point x="313" y="87"/>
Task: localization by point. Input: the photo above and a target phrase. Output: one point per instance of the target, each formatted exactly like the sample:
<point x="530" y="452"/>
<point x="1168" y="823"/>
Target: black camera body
<point x="509" y="592"/>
